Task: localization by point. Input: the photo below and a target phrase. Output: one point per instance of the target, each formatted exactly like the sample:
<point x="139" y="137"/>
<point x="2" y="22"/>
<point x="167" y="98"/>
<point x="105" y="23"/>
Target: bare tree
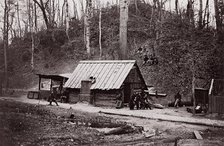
<point x="87" y="16"/>
<point x="18" y="19"/>
<point x="82" y="9"/>
<point x="123" y="28"/>
<point x="190" y="12"/>
<point x="5" y="40"/>
<point x="152" y="13"/>
<point x="66" y="20"/>
<point x="32" y="34"/>
<point x="75" y="9"/>
<point x="35" y="17"/>
<point x="43" y="8"/>
<point x="176" y="6"/>
<point x="136" y="6"/>
<point x="100" y="31"/>
<point x="200" y="14"/>
<point x="11" y="22"/>
<point x="218" y="16"/>
<point x="206" y="14"/>
<point x="58" y="13"/>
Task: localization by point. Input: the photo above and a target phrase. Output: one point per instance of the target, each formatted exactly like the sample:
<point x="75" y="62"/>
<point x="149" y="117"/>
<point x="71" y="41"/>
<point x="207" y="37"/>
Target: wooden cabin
<point x="100" y="82"/>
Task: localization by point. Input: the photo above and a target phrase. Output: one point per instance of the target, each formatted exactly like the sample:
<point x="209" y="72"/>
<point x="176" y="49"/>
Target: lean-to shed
<point x="48" y="81"/>
<point x="99" y="82"/>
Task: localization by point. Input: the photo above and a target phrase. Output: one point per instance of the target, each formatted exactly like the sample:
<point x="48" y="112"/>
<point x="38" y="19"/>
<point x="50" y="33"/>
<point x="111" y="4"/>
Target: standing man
<point x="53" y="96"/>
<point x="177" y="99"/>
<point x="119" y="100"/>
<point x="137" y="100"/>
<point x="131" y="102"/>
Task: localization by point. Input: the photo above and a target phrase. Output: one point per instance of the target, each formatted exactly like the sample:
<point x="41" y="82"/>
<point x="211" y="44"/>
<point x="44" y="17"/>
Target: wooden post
<point x="39" y="82"/>
<point x="123" y="28"/>
<point x="0" y="84"/>
<point x="51" y="86"/>
<point x="210" y="104"/>
<point x="193" y="86"/>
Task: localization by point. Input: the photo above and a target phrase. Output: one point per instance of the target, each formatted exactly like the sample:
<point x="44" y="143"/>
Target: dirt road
<point x="28" y="124"/>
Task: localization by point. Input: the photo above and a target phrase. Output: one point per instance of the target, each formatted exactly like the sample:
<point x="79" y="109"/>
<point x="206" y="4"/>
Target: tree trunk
<point x="206" y="14"/>
<point x="193" y="85"/>
<point x="123" y="28"/>
<point x="53" y="13"/>
<point x="32" y="36"/>
<point x="0" y="84"/>
<point x="190" y="12"/>
<point x="218" y="20"/>
<point x="43" y="9"/>
<point x="176" y="6"/>
<point x="75" y="9"/>
<point x="87" y="26"/>
<point x="200" y="23"/>
<point x="49" y="12"/>
<point x="58" y="13"/>
<point x="67" y="19"/>
<point x="35" y="17"/>
<point x="136" y="6"/>
<point x="13" y="32"/>
<point x="152" y="13"/>
<point x="18" y="19"/>
<point x="5" y="41"/>
<point x="100" y="33"/>
<point x="62" y="14"/>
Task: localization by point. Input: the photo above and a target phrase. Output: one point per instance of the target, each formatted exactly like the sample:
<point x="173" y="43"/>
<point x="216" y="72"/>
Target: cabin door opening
<point x="127" y="93"/>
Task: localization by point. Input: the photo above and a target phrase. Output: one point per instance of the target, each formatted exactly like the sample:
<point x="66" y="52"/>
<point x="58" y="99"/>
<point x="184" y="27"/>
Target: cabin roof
<point x="108" y="74"/>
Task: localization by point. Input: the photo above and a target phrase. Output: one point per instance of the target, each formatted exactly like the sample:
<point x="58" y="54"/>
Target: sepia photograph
<point x="112" y="72"/>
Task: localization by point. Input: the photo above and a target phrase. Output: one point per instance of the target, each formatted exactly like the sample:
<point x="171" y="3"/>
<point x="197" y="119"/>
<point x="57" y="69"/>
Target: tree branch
<point x="35" y="1"/>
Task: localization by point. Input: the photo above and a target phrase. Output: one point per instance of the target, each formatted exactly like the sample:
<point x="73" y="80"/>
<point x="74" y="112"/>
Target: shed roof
<point x="54" y="76"/>
<point x="109" y="74"/>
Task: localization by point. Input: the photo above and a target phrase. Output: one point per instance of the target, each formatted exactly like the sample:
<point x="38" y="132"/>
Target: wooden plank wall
<point x="44" y="94"/>
<point x="216" y="104"/>
<point x="74" y="96"/>
<point x="105" y="99"/>
<point x="134" y="80"/>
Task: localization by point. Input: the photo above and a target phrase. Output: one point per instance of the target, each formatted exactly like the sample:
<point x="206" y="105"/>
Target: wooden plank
<point x="197" y="135"/>
<point x="103" y="103"/>
<point x="196" y="142"/>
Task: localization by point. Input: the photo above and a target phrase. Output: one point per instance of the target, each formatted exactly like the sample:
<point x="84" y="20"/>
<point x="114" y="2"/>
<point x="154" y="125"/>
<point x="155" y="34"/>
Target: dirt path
<point x="37" y="123"/>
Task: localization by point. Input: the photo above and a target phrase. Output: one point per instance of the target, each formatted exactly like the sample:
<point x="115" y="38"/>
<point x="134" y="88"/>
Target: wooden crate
<point x="33" y="95"/>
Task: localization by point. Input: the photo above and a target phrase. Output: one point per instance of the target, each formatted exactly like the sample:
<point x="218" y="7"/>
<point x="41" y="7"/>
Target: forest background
<point x="51" y="36"/>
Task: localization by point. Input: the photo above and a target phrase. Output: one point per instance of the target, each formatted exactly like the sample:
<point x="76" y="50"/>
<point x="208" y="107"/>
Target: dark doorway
<point x="127" y="92"/>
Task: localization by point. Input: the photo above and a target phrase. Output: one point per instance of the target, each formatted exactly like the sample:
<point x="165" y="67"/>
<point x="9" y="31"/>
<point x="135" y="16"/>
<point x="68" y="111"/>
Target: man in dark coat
<point x="177" y="98"/>
<point x="52" y="97"/>
<point x="131" y="102"/>
<point x="137" y="100"/>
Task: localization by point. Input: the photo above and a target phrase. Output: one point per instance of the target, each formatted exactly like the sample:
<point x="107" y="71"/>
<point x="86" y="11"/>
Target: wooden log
<point x="159" y="106"/>
<point x="197" y="135"/>
<point x="120" y="130"/>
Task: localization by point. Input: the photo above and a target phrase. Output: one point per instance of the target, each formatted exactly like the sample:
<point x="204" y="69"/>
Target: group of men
<point x="139" y="100"/>
<point x="55" y="95"/>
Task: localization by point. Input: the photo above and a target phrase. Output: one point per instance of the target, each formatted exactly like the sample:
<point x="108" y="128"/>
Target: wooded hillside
<point x="185" y="47"/>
